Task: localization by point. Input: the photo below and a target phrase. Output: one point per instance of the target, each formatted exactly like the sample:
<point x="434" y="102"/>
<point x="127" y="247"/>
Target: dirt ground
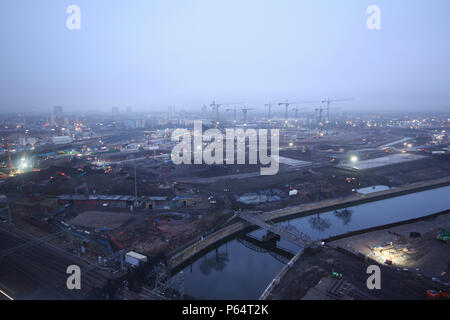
<point x="152" y="236"/>
<point x="423" y="256"/>
<point x="148" y="232"/>
<point x="316" y="265"/>
<point x="419" y="264"/>
<point x="426" y="169"/>
<point x="101" y="219"/>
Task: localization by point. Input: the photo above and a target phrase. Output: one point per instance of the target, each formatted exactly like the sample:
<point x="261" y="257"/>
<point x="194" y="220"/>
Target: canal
<point x="244" y="266"/>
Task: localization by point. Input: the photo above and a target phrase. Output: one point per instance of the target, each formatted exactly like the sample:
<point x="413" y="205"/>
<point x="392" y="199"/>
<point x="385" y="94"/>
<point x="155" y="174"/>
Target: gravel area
<point x="100" y="219"/>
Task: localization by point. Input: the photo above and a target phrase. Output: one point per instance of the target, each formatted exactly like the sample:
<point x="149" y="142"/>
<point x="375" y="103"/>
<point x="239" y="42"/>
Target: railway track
<point x="39" y="271"/>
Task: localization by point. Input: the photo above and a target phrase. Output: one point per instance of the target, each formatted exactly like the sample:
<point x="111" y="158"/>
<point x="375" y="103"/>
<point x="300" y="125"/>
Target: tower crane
<point x="215" y="106"/>
<point x="244" y="111"/>
<point x="320" y="109"/>
<point x="296" y="110"/>
<point x="328" y="102"/>
<point x="269" y="108"/>
<point x="287" y="104"/>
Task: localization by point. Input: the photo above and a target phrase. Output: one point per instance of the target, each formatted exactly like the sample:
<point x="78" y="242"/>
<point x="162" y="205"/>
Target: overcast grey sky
<point x="153" y="53"/>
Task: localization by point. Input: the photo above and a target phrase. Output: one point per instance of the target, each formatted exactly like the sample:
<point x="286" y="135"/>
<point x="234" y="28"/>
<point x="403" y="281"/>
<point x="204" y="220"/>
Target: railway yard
<point x="36" y="269"/>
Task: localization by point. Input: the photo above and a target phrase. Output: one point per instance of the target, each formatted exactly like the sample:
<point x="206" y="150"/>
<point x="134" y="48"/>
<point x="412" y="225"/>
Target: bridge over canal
<point x="298" y="238"/>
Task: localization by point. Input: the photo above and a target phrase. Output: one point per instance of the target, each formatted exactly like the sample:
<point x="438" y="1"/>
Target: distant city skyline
<point x="149" y="55"/>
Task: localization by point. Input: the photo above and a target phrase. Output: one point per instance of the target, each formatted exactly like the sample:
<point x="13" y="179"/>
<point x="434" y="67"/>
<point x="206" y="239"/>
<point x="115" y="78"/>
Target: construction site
<point x="413" y="258"/>
<point x="100" y="199"/>
<point x="221" y="156"/>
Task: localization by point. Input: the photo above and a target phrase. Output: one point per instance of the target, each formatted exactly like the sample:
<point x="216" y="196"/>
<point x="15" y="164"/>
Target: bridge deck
<point x="299" y="239"/>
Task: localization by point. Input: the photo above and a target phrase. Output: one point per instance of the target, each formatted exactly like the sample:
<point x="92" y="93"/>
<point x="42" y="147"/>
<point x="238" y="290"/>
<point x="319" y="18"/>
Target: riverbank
<point x="201" y="246"/>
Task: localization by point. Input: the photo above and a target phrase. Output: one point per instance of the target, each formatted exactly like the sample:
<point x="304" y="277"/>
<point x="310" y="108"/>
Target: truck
<point x="135" y="259"/>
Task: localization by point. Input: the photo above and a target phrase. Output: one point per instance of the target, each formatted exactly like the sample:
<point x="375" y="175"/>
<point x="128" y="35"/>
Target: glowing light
<point x="6" y="295"/>
<point x="353" y="158"/>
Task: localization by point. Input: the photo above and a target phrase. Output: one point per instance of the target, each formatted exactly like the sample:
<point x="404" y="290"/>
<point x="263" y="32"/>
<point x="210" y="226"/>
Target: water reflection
<point x="269" y="244"/>
<point x="251" y="261"/>
<point x="216" y="262"/>
<point x="319" y="223"/>
<point x="345" y="215"/>
<point x="288" y="227"/>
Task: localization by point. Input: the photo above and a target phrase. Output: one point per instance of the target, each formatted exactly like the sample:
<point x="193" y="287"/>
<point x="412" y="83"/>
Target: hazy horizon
<point x="149" y="55"/>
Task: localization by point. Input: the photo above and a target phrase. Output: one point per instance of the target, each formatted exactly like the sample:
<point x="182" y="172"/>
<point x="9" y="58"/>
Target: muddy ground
<point x="422" y="255"/>
<point x="419" y="264"/>
<point x="148" y="232"/>
<point x="314" y="265"/>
